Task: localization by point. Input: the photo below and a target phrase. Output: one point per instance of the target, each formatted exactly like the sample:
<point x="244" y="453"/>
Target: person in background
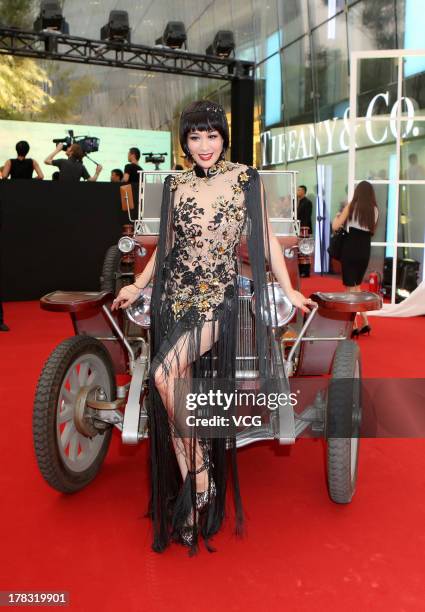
<point x="415" y="171"/>
<point x="21" y="167"/>
<point x="131" y="170"/>
<point x="304" y="208"/>
<point x="360" y="217"/>
<point x="304" y="212"/>
<point x="116" y="175"/>
<point x="71" y="169"/>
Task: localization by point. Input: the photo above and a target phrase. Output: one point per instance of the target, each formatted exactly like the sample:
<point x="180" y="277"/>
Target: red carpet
<point x="301" y="551"/>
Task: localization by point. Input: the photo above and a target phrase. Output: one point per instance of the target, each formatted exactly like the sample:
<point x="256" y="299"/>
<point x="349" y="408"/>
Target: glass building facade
<point x="301" y="50"/>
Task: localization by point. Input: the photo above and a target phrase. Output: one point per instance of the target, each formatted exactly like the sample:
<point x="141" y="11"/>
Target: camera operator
<point x="132" y="168"/>
<point x="71" y="169"/>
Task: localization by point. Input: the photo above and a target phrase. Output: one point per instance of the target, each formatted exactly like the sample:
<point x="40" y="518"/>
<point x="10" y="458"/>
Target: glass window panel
<point x="377" y="162"/>
<point x="410" y="271"/>
<point x="331" y="66"/>
<point x="297" y="83"/>
<point x="279" y="194"/>
<point x="411" y="227"/>
<point x="333" y="175"/>
<point x="412" y="151"/>
<point x="411" y="33"/>
<point x="265" y="22"/>
<point x="372" y="25"/>
<point x="321" y="10"/>
<point x="293" y="20"/>
<point x="273" y="91"/>
<point x="413" y="85"/>
<point x="376" y="86"/>
<point x="376" y="261"/>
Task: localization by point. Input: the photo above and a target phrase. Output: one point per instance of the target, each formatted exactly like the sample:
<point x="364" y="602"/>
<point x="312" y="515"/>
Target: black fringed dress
<point x="195" y="314"/>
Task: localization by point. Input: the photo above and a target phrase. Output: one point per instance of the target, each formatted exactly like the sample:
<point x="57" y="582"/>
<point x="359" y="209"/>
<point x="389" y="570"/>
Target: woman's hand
<point x="126" y="297"/>
<point x="297" y="299"/>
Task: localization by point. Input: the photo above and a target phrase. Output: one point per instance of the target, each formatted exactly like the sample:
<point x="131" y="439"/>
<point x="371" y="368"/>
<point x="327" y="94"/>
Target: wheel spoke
<point x="73" y="381"/>
<point x="68" y="396"/>
<point x="83" y="373"/>
<point x="85" y="445"/>
<point x="92" y="377"/>
<point x="73" y="446"/>
<point x="66" y="414"/>
<point x="67" y="433"/>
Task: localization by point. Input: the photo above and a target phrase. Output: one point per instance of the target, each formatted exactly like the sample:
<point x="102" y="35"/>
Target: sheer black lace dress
<point x="194" y="332"/>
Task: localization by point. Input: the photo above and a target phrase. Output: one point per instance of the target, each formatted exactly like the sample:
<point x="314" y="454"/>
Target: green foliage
<point x="68" y="91"/>
<point x="17" y="13"/>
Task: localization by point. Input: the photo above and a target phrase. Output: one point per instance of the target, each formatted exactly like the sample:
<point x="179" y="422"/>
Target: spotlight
<point x="51" y="18"/>
<point x="174" y="35"/>
<point x="117" y="29"/>
<point x="223" y="44"/>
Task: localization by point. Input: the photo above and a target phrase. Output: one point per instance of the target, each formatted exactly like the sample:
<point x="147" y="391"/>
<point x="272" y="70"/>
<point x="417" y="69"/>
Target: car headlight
<point x="306" y="246"/>
<point x="140" y="311"/>
<point x="126" y="244"/>
<point x="281" y="309"/>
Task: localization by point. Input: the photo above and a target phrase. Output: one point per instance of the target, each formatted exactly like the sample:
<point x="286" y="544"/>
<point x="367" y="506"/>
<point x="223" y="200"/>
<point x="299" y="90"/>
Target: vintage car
<point x="78" y="402"/>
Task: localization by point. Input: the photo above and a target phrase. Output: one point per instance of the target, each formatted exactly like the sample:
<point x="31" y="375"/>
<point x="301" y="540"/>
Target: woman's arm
<point x="145" y="277"/>
<point x="6" y="169"/>
<point x="341" y="218"/>
<point x="278" y="265"/>
<point x="130" y="293"/>
<point x="37" y="169"/>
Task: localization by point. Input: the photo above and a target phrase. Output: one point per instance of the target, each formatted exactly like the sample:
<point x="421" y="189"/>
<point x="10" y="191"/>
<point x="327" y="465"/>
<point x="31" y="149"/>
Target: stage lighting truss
<point x="174" y="35"/>
<point x="80" y="50"/>
<point x="223" y="44"/>
<point x="51" y="18"/>
<point x="117" y="29"/>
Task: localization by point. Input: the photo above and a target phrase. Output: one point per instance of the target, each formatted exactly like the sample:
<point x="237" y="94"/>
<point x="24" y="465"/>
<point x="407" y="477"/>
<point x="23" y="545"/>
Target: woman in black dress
<point x="205" y="212"/>
<point x="22" y="167"/>
<point x="360" y="217"/>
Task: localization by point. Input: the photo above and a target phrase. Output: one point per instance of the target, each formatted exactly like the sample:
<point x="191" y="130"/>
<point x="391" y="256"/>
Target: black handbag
<point x="335" y="244"/>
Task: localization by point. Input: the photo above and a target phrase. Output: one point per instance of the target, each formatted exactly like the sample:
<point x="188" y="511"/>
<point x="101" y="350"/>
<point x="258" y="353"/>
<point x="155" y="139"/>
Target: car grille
<point x="246" y="359"/>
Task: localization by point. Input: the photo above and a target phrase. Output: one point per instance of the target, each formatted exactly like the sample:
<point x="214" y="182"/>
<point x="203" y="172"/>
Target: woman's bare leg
<point x="177" y="366"/>
<point x="363" y="316"/>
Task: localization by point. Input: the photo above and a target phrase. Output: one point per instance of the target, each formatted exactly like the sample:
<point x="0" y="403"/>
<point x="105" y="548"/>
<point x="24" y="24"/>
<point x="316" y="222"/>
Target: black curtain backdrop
<point x="54" y="235"/>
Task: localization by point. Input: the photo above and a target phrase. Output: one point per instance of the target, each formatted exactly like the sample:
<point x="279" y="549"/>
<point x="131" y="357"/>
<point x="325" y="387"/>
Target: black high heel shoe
<point x="366" y="329"/>
<point x="186" y="531"/>
<point x="355" y="333"/>
<point x="202" y="497"/>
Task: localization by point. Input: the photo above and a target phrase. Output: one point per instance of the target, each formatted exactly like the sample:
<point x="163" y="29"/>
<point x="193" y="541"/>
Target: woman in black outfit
<point x="360" y="217"/>
<point x="21" y="167"/>
<point x="206" y="212"/>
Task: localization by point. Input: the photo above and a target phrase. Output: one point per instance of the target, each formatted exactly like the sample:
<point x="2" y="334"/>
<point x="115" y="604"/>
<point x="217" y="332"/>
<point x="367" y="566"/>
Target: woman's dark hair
<point x="203" y="116"/>
<point x="135" y="151"/>
<point x="362" y="206"/>
<point x="22" y="148"/>
<point x="77" y="152"/>
<point x="118" y="172"/>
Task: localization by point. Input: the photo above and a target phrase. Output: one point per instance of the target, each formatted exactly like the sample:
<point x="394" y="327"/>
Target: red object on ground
<point x="300" y="552"/>
<point x="374" y="282"/>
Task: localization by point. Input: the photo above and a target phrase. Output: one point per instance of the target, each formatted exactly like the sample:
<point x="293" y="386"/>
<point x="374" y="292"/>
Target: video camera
<point x="155" y="158"/>
<point x="89" y="144"/>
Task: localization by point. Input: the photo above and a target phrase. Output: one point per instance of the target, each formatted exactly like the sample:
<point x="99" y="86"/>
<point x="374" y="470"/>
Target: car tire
<point x="67" y="459"/>
<point x="343" y="419"/>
